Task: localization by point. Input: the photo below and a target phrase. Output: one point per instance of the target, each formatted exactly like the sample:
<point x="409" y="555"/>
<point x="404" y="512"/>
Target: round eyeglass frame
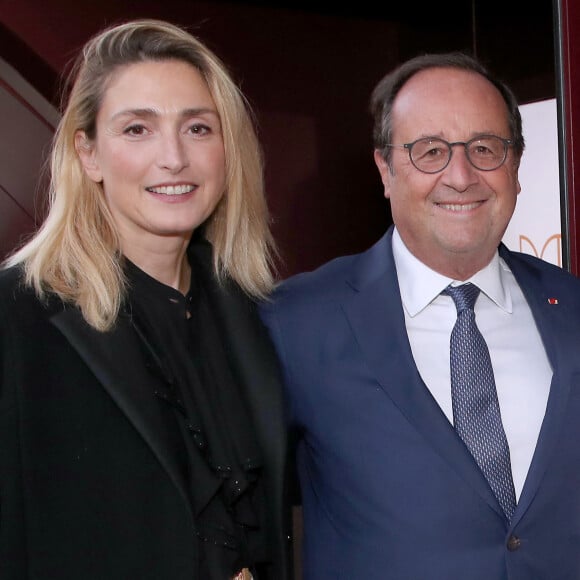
<point x="507" y="143"/>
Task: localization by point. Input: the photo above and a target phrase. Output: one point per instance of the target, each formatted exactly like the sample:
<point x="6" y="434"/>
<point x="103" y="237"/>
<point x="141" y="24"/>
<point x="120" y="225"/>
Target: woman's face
<point x="158" y="152"/>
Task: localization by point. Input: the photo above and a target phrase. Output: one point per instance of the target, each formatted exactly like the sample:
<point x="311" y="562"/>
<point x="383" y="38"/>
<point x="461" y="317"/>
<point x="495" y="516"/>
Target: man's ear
<point x="87" y="154"/>
<point x="384" y="170"/>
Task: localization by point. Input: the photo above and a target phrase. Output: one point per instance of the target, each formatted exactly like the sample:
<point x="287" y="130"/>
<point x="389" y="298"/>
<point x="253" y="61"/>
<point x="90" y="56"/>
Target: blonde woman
<point x="141" y="417"/>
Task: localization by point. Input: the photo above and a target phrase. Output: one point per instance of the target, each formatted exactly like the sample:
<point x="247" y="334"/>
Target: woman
<point x="141" y="421"/>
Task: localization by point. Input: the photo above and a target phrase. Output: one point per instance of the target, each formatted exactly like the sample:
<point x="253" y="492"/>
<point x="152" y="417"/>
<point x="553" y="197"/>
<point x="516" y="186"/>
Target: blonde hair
<point x="75" y="254"/>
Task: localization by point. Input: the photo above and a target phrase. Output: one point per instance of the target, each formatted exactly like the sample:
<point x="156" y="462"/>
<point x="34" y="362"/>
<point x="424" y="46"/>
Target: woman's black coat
<point x="89" y="488"/>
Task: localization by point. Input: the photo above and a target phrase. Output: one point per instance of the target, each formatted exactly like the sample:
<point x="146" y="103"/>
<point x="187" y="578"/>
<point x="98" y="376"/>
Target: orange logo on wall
<point x="551" y="251"/>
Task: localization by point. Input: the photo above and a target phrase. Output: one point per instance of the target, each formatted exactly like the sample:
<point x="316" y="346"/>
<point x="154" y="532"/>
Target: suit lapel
<point x="376" y="316"/>
<point x="557" y="324"/>
<point x="116" y="360"/>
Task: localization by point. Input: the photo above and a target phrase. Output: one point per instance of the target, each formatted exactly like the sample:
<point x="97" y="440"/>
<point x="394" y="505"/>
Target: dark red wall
<point x="308" y="74"/>
<point x="569" y="93"/>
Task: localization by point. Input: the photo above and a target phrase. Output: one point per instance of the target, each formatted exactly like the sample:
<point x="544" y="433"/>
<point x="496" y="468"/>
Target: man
<point x="395" y="485"/>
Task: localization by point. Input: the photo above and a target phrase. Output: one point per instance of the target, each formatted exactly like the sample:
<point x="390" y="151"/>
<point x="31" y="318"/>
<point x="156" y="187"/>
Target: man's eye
<point x="429" y="152"/>
<point x="483" y="150"/>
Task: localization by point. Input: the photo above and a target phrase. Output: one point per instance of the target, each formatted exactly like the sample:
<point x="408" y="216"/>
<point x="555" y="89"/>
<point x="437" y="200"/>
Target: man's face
<point x="452" y="220"/>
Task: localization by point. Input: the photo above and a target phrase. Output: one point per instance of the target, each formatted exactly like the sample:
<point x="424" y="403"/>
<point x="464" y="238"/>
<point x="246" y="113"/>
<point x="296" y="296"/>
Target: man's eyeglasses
<point x="431" y="154"/>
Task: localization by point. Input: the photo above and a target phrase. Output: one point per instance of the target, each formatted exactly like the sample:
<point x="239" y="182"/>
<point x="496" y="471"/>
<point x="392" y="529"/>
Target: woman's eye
<point x="135" y="130"/>
<point x="200" y="129"/>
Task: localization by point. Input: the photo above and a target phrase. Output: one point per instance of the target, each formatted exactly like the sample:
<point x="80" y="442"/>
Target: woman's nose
<point x="172" y="153"/>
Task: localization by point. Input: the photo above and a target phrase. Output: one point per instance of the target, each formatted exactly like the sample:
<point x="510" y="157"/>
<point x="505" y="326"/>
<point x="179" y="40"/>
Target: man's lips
<point x="460" y="206"/>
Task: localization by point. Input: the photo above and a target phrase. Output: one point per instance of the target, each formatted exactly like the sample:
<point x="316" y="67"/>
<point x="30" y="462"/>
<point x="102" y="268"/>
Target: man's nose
<point x="460" y="173"/>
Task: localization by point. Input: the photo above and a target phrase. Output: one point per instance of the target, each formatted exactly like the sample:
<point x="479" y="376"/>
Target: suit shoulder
<point x="542" y="267"/>
<point x="321" y="283"/>
<point x="17" y="299"/>
<point x="12" y="282"/>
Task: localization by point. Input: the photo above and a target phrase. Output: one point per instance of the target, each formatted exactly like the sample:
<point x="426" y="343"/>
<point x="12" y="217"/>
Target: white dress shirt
<point x="520" y="365"/>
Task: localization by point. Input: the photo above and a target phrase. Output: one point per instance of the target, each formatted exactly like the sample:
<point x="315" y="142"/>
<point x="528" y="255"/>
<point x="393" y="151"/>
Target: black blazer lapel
<point x="116" y="360"/>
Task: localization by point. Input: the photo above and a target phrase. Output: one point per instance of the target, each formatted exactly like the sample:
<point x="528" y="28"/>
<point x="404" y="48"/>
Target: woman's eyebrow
<point x="149" y="112"/>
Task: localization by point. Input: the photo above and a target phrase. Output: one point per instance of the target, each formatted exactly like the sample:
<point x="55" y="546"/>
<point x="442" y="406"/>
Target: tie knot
<point x="464" y="296"/>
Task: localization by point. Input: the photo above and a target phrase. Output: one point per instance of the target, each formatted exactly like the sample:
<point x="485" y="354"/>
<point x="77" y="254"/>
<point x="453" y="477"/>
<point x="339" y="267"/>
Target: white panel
<point x="536" y="227"/>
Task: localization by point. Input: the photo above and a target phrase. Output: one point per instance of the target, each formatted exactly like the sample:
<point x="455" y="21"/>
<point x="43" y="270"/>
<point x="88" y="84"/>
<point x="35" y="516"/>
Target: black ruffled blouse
<point x="207" y="417"/>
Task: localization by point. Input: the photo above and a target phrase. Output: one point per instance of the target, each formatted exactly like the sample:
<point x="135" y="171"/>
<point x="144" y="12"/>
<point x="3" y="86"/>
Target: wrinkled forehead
<point x="452" y="103"/>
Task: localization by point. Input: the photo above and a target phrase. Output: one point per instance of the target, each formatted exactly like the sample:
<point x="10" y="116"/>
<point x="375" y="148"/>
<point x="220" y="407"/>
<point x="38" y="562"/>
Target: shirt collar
<point x="420" y="285"/>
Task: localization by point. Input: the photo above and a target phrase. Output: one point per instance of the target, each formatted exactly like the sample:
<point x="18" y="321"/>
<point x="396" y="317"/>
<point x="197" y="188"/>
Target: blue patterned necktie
<point x="476" y="414"/>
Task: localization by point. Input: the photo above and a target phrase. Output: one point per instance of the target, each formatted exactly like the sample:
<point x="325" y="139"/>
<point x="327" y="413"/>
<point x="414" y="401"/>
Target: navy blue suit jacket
<point x="389" y="490"/>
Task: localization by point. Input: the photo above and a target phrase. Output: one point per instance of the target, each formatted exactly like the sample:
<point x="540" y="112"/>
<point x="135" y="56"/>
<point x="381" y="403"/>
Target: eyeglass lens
<point x="431" y="155"/>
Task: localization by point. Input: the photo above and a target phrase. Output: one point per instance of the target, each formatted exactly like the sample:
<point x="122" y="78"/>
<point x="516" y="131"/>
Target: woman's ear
<point x="87" y="154"/>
